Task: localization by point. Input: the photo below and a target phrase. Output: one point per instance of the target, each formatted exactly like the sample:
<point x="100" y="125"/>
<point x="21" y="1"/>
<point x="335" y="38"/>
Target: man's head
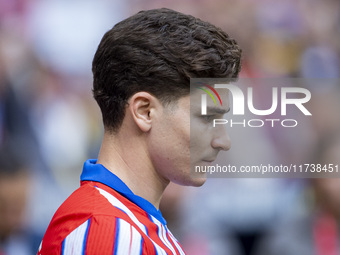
<point x="142" y="72"/>
<point x="158" y="51"/>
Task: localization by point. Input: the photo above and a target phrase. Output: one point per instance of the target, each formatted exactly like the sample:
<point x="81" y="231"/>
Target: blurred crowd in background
<point x="49" y="123"/>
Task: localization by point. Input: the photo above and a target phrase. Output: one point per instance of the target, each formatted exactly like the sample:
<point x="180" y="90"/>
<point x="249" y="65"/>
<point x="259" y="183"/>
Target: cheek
<point x="200" y="138"/>
<point x="178" y="150"/>
<point x="169" y="150"/>
<point x="180" y="143"/>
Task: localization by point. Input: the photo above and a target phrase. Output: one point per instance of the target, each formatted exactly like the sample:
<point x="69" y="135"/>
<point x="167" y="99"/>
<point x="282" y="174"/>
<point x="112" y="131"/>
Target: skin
<point x="152" y="147"/>
<point x="207" y="140"/>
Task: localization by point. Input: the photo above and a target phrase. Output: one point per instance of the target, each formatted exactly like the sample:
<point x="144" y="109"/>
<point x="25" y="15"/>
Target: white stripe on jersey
<point x="129" y="239"/>
<point x="118" y="204"/>
<point x="162" y="234"/>
<point x="73" y="244"/>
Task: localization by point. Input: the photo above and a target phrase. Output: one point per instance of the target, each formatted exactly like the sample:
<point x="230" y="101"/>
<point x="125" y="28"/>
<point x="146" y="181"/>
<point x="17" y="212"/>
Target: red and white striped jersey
<point x="104" y="217"/>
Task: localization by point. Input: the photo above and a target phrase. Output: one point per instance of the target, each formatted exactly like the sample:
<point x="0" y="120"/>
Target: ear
<point x="142" y="106"/>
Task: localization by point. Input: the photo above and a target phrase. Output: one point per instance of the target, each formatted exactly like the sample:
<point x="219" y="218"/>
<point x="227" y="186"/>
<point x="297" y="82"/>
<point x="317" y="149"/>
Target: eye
<point x="208" y="118"/>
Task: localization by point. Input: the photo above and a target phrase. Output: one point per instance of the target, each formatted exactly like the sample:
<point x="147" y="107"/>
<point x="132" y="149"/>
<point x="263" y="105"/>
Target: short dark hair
<point x="158" y="51"/>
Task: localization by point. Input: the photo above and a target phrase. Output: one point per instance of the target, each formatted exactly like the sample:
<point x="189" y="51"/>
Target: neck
<point x="129" y="160"/>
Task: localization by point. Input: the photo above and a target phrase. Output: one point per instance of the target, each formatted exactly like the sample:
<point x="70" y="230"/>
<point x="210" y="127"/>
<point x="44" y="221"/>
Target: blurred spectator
<point x="14" y="120"/>
<point x="314" y="227"/>
<point x="14" y="114"/>
<point x="15" y="236"/>
<point x="230" y="216"/>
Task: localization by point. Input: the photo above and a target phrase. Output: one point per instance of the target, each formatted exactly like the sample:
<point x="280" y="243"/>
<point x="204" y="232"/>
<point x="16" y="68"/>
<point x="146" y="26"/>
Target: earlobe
<point x="141" y="105"/>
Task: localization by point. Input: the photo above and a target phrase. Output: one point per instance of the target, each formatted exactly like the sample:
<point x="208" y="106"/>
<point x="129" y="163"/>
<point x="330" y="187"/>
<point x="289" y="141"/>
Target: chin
<point x="194" y="181"/>
<point x="198" y="182"/>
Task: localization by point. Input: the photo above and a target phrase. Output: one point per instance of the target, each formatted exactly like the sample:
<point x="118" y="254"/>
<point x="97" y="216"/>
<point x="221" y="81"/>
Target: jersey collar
<point x="98" y="173"/>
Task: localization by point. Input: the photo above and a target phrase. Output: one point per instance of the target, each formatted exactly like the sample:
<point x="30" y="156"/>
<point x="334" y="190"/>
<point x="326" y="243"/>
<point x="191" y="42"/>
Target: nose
<point x="221" y="139"/>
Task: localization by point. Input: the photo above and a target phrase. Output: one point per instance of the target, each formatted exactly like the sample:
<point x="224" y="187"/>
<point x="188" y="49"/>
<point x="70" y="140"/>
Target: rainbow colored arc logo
<point x="209" y="93"/>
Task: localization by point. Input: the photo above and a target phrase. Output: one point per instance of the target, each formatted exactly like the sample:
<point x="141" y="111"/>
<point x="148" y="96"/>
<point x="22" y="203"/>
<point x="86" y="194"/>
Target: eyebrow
<point x="217" y="110"/>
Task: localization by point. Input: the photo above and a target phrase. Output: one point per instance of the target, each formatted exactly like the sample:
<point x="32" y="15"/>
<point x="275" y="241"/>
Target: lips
<point x="210" y="158"/>
<point x="208" y="161"/>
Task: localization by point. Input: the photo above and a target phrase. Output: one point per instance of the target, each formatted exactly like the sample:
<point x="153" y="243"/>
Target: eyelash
<point x="208" y="118"/>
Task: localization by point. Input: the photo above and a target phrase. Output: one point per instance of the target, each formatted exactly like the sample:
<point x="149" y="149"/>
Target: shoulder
<point x="97" y="220"/>
<point x="93" y="214"/>
<point x="100" y="234"/>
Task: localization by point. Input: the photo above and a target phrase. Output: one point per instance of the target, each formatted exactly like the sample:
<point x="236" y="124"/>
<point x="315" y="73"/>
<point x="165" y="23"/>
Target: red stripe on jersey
<point x="101" y="236"/>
